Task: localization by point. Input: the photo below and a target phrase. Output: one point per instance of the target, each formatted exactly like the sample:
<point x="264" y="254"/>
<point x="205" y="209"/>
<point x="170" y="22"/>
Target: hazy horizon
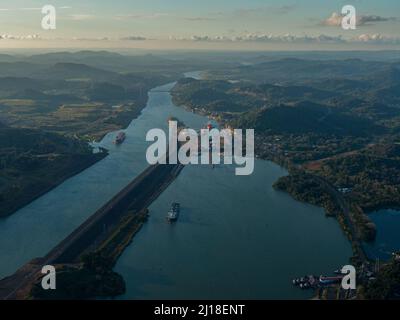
<point x="256" y="25"/>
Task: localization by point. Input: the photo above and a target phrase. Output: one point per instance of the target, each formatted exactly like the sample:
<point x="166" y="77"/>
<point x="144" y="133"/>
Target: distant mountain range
<point x="349" y="97"/>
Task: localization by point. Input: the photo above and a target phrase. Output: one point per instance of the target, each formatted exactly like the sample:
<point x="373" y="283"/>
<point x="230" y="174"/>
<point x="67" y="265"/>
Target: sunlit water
<point x="236" y="237"/>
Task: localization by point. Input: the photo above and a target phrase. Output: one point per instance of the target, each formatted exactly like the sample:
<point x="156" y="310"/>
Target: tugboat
<point x="173" y="213"/>
<point x="120" y="138"/>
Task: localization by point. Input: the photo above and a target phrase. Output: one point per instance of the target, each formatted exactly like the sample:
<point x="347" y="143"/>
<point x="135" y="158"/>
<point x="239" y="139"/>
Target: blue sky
<point x="202" y="21"/>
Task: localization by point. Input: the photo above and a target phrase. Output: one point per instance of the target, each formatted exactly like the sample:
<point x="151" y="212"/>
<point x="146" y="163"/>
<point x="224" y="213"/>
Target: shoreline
<point x="353" y="220"/>
<point x="287" y="166"/>
<point x="96" y="157"/>
<point x="90" y="252"/>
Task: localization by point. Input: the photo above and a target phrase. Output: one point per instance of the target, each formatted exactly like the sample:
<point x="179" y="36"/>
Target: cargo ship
<point x="120" y="138"/>
<point x="173" y="213"/>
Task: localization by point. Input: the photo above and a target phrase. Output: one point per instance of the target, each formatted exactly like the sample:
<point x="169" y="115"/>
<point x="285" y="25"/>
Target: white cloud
<point x="372" y="39"/>
<point x="289" y="38"/>
<point x="133" y="38"/>
<point x="14" y="37"/>
<point x="334" y="20"/>
<point x="377" y="39"/>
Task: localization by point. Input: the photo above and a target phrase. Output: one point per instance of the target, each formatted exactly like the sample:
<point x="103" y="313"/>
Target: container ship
<point x="120" y="138"/>
<point x="173" y="213"/>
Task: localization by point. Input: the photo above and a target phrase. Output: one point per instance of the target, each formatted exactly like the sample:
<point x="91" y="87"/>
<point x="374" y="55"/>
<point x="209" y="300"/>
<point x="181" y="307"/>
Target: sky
<point x="201" y="24"/>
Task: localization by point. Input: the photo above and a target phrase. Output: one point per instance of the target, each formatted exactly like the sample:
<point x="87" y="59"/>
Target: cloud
<point x="101" y="38"/>
<point x="133" y="38"/>
<point x="141" y="16"/>
<point x="14" y="37"/>
<point x="198" y="19"/>
<point x="30" y="9"/>
<point x="373" y="18"/>
<point x="368" y="39"/>
<point x="376" y="39"/>
<point x="335" y="20"/>
<point x="161" y="15"/>
<point x="88" y="39"/>
<point x="265" y="10"/>
<point x="81" y="17"/>
<point x="285" y="9"/>
<point x="267" y="38"/>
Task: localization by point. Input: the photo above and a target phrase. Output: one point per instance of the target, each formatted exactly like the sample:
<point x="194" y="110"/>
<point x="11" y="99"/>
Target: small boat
<point x="329" y="280"/>
<point x="173" y="213"/>
<point x="120" y="137"/>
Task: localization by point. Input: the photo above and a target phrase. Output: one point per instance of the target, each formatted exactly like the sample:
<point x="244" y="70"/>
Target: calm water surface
<point x="387" y="237"/>
<point x="236" y="237"/>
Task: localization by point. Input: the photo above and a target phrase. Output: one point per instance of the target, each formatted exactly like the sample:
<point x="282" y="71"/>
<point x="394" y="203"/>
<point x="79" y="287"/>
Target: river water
<point x="236" y="237"/>
<point x="387" y="240"/>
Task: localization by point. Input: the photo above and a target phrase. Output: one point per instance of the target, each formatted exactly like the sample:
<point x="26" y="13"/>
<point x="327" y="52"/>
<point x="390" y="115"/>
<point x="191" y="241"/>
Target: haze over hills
<point x="294" y="70"/>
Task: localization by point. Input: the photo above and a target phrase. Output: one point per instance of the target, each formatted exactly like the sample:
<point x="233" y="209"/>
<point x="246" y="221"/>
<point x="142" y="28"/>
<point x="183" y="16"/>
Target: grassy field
<point x="90" y="120"/>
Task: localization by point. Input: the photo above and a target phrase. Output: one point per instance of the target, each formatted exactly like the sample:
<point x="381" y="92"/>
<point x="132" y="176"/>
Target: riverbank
<point x="33" y="162"/>
<point x="44" y="138"/>
<point x="345" y="191"/>
<point x="312" y="189"/>
<point x="94" y="276"/>
<point x="48" y="183"/>
<point x="302" y="184"/>
<point x="121" y="118"/>
<point x="30" y="179"/>
<point x="90" y="252"/>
